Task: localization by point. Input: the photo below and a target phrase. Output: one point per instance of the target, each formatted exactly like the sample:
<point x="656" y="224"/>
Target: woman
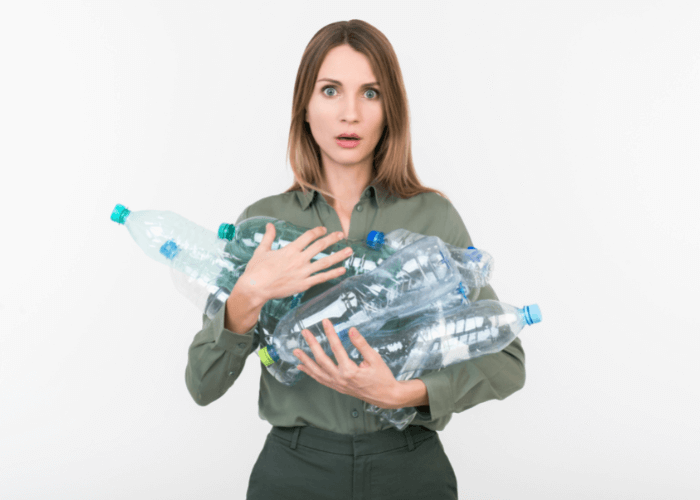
<point x="322" y="443"/>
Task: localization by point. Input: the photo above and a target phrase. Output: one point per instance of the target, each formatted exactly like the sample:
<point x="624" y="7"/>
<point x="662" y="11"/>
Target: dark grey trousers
<point x="307" y="463"/>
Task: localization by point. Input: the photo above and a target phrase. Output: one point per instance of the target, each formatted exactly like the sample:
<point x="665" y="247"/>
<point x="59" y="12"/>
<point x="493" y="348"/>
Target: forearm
<point x="412" y="393"/>
<point x="243" y="306"/>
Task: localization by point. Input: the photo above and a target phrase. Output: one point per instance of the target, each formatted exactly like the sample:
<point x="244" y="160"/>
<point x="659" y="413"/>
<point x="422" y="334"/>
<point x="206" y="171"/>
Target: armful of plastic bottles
<point x="411" y="280"/>
<point x="460" y="333"/>
<point x="205" y="266"/>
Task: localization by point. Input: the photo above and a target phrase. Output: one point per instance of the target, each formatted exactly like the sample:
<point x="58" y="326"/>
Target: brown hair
<point x="393" y="162"/>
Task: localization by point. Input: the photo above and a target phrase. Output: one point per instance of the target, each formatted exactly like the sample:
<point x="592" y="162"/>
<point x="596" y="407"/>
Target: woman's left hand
<point x="371" y="380"/>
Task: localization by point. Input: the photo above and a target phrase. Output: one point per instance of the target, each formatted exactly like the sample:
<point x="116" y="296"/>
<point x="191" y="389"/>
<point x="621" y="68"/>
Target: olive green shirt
<point x="216" y="356"/>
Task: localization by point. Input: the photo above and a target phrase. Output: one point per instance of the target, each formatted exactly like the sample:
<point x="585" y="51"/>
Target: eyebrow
<point x="338" y="83"/>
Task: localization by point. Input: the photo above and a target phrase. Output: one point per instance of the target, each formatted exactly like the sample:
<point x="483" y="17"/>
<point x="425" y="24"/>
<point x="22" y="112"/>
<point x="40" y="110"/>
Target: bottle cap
<point x="227" y="231"/>
<point x="120" y="213"/>
<point x="375" y="239"/>
<point x="268" y="355"/>
<point x="169" y="249"/>
<point x="532" y="314"/>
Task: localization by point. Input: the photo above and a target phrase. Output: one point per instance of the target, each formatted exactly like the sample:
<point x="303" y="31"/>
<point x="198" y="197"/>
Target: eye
<point x="376" y="92"/>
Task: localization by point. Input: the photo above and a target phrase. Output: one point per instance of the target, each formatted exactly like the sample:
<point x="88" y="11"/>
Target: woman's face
<point x="349" y="106"/>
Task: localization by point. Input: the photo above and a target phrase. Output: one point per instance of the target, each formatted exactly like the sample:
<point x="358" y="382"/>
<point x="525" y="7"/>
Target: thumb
<point x="269" y="236"/>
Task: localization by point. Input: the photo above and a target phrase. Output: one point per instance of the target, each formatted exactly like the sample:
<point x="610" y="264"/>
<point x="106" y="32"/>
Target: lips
<point x="348" y="136"/>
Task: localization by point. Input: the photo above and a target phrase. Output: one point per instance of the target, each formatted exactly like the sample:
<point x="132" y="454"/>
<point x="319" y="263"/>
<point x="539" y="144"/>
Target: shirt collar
<point x="372" y="191"/>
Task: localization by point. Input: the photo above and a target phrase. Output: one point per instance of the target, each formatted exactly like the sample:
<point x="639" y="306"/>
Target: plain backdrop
<point x="565" y="133"/>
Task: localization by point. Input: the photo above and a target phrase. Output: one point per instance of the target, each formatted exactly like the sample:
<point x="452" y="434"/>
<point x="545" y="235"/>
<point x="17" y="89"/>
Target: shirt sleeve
<point x="216" y="356"/>
<point x="463" y="385"/>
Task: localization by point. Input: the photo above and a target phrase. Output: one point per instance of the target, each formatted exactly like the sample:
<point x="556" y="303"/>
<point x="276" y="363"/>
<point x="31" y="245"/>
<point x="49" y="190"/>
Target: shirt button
<point x="359" y="208"/>
<point x="241" y="345"/>
<point x="355" y="414"/>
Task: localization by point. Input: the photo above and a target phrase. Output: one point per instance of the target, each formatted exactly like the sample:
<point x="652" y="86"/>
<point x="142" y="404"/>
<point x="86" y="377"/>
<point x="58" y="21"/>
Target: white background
<point x="566" y="134"/>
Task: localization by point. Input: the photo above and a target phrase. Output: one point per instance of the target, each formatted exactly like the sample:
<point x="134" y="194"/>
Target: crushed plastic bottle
<point x="475" y="265"/>
<point x="412" y="277"/>
<point x="435" y="341"/>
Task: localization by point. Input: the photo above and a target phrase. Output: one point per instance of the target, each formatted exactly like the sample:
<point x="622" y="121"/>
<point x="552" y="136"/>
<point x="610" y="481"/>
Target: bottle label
<point x="265" y="357"/>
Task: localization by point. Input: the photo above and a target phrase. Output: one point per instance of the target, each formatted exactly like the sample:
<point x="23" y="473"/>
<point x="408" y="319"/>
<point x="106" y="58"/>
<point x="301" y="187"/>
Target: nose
<point x="349" y="110"/>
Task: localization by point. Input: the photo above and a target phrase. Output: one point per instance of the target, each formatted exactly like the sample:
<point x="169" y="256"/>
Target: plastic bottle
<point x="176" y="242"/>
<point x="475" y="265"/>
<point x="435" y="341"/>
<point x="411" y="278"/>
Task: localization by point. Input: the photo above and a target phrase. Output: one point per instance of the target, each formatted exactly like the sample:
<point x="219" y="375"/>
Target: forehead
<point x="347" y="65"/>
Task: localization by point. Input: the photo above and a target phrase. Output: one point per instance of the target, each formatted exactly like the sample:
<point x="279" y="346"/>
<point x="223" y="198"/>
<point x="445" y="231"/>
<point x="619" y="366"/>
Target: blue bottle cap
<point x="375" y="239"/>
<point x="532" y="314"/>
<point x="120" y="213"/>
<point x="227" y="231"/>
<point x="169" y="249"/>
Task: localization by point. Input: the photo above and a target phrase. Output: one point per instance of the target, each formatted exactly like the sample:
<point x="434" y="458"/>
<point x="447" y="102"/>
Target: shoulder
<point x="272" y="206"/>
<point x="448" y="224"/>
<point x="430" y="204"/>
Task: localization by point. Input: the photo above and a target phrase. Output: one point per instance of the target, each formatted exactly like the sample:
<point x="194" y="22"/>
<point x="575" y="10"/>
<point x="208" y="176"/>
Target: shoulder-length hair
<point x="393" y="163"/>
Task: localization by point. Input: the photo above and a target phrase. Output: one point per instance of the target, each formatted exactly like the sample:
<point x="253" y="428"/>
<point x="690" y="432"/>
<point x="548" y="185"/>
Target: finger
<point x="321" y="358"/>
<point x="331" y="260"/>
<point x="336" y="344"/>
<point x="323" y="277"/>
<point x="303" y="241"/>
<point x="307" y="365"/>
<point x="368" y="353"/>
<point x="268" y="237"/>
<point x="322" y="244"/>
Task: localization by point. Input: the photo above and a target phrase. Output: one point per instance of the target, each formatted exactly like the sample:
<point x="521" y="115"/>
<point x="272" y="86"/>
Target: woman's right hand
<point x="276" y="274"/>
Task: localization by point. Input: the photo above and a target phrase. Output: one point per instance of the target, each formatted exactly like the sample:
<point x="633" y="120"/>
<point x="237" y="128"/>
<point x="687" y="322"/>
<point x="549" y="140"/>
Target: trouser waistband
<point x="353" y="444"/>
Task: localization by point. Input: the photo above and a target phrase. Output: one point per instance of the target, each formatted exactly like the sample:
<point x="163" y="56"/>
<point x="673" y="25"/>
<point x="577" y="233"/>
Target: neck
<point x="346" y="185"/>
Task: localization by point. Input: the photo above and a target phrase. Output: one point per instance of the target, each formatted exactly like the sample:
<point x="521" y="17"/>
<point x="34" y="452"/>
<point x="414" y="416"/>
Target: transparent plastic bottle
<point x="435" y="341"/>
<point x="475" y="265"/>
<point x="411" y="278"/>
<point x="179" y="243"/>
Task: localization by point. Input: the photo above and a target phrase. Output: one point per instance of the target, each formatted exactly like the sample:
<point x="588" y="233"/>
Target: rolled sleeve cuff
<point x="231" y="341"/>
<point x="440" y="396"/>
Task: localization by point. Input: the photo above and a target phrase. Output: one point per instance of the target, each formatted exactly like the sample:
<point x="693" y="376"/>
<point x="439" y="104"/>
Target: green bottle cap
<point x="227" y="231"/>
<point x="265" y="357"/>
<point x="120" y="213"/>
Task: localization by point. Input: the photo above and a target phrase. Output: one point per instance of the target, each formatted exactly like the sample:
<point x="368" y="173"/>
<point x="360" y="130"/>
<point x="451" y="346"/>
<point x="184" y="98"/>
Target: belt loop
<point x="409" y="439"/>
<point x="294" y="438"/>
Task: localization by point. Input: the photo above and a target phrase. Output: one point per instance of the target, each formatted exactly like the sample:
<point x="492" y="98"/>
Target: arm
<point x="218" y="352"/>
<point x="466" y="384"/>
